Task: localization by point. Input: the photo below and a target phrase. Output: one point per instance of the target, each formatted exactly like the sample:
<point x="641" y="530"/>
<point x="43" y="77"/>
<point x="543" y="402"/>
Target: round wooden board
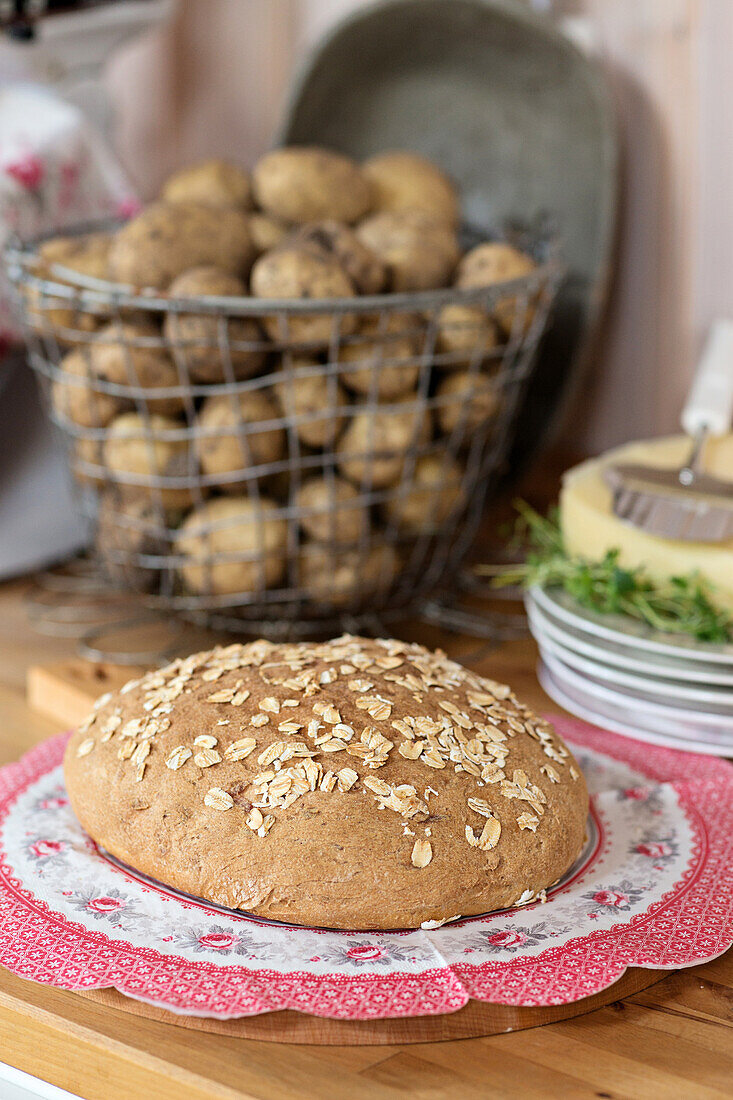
<point x="476" y="1019"/>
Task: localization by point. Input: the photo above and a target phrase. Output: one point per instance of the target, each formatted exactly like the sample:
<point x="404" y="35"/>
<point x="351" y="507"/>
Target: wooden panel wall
<point x="648" y="52"/>
<point x="210" y="83"/>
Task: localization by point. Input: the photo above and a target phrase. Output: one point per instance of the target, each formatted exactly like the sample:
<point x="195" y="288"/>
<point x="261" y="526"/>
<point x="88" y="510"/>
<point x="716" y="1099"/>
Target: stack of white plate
<point x="619" y="674"/>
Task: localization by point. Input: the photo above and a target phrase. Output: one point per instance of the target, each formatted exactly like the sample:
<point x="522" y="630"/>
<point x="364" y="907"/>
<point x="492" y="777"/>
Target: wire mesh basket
<point x="286" y="467"/>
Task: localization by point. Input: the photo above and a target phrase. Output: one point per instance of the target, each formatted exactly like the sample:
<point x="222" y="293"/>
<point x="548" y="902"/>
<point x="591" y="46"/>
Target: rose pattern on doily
<point x="519" y="938"/>
<point x="658" y="849"/>
<point x="56" y="800"/>
<point x="622" y="898"/>
<point x="43" y="849"/>
<point x="109" y="905"/>
<point x="649" y="795"/>
<point x="361" y="953"/>
<point x="222" y="940"/>
<point x="653" y="888"/>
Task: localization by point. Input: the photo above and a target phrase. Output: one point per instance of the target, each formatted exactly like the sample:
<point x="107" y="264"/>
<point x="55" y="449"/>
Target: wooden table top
<point x="674" y="1040"/>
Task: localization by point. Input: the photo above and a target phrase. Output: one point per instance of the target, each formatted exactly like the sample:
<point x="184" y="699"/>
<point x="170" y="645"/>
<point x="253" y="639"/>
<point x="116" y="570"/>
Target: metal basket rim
<point x="85" y="289"/>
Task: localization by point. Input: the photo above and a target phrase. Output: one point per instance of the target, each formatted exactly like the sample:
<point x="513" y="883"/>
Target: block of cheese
<point x="590" y="528"/>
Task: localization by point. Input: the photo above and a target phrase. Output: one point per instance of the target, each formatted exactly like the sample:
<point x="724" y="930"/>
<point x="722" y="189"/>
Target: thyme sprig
<point x="680" y="605"/>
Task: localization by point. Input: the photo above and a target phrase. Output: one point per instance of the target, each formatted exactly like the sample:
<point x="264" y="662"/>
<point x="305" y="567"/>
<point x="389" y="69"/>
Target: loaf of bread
<point x="349" y="784"/>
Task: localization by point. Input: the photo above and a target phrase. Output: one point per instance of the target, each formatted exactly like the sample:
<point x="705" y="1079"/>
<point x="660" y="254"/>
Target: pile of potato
<point x="306" y="224"/>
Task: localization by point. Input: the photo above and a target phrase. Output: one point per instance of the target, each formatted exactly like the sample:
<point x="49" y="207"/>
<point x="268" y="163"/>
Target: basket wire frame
<point x="392" y="567"/>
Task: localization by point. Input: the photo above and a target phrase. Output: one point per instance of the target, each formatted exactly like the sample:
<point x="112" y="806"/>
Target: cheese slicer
<point x="688" y="503"/>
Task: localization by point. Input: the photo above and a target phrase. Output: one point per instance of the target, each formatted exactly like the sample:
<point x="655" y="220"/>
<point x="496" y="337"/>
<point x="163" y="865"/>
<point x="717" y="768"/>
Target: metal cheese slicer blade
<point x="688" y="503"/>
<point x="657" y="502"/>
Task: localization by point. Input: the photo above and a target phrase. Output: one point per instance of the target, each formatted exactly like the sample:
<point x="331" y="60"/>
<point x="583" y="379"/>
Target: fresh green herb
<point x="681" y="605"/>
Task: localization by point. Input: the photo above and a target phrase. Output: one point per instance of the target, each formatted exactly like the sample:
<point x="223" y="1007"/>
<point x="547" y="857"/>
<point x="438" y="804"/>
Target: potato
<point x="86" y="451"/>
<point x="492" y="262"/>
<point x="127" y="529"/>
<point x="129" y="354"/>
<point x="167" y="239"/>
<point x="406" y="181"/>
<point x="435" y="494"/>
<point x="56" y="315"/>
<point x="216" y="182"/>
<point x="340" y="577"/>
<point x="333" y="511"/>
<point x="385" y="351"/>
<point x="467" y="398"/>
<point x="304" y="184"/>
<point x="419" y="252"/>
<point x="266" y="232"/>
<point x="465" y="333"/>
<point x="366" y="271"/>
<point x="75" y="396"/>
<point x="84" y="255"/>
<point x="312" y="401"/>
<point x="143" y="447"/>
<point x="196" y="335"/>
<point x="496" y="262"/>
<point x="249" y="535"/>
<point x="291" y="273"/>
<point x="231" y="442"/>
<point x="372" y="450"/>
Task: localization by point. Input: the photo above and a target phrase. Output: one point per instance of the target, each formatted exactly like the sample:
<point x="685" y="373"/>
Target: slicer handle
<point x="710" y="400"/>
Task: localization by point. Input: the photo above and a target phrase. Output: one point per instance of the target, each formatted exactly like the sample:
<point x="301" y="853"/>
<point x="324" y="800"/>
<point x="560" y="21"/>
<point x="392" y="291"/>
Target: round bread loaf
<point x="350" y="784"/>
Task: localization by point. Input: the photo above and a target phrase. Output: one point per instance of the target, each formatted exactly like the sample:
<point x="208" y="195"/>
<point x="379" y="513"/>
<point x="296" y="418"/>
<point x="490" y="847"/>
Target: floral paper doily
<point x="654" y="888"/>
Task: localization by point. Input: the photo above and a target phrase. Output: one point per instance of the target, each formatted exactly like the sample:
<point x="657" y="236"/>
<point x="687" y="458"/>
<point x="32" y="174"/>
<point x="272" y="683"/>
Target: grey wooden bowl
<point x="513" y="111"/>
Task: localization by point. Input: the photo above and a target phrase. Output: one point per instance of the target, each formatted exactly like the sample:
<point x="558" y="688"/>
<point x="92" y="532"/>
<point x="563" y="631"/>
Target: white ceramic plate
<point x="642" y="686"/>
<point x="643" y="680"/>
<point x="633" y="703"/>
<point x="542" y="624"/>
<point x="625" y="631"/>
<point x="627" y="720"/>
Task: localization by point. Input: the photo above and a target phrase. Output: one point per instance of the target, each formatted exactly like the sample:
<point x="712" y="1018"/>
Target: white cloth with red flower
<point x="654" y="888"/>
<point x="55" y="170"/>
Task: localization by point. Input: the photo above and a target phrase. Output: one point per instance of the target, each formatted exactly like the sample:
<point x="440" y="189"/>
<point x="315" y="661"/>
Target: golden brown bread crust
<point x="384" y="840"/>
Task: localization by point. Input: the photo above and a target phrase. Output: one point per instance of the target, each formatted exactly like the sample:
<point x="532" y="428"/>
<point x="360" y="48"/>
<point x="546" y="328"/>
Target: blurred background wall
<point x="213" y="81"/>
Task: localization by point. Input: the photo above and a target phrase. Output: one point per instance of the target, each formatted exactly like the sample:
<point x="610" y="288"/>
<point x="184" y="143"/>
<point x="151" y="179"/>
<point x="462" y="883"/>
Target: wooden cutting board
<point x="65" y="692"/>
